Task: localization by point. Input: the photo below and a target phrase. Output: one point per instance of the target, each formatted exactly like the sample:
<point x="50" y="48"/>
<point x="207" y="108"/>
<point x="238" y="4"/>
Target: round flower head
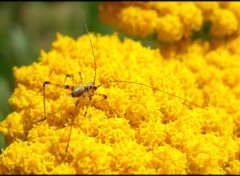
<point x="136" y="129"/>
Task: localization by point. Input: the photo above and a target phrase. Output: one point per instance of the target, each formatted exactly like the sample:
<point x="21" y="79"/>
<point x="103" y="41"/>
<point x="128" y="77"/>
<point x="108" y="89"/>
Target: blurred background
<point x="28" y="27"/>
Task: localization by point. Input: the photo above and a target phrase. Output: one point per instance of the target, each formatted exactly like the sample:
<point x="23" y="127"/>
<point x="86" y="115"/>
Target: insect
<point x="89" y="89"/>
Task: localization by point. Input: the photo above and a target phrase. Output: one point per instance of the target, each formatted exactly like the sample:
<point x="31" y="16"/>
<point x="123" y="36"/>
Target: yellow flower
<point x="224" y="23"/>
<point x="224" y="17"/>
<point x="146" y="18"/>
<point x="134" y="130"/>
<point x="171" y="21"/>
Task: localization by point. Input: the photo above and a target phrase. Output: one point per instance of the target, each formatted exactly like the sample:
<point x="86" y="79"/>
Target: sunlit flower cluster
<point x="136" y="129"/>
<point x="171" y="21"/>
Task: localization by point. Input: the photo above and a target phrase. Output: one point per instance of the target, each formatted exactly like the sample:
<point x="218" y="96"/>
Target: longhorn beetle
<point x="88" y="89"/>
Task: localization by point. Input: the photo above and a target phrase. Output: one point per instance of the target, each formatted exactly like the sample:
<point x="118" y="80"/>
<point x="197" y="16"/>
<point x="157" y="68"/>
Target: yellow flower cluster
<point x="171" y="21"/>
<point x="136" y="129"/>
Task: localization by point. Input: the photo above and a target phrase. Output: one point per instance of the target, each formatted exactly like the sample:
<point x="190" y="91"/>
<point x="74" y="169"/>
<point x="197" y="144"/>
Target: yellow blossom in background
<point x="136" y="129"/>
<point x="171" y="21"/>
